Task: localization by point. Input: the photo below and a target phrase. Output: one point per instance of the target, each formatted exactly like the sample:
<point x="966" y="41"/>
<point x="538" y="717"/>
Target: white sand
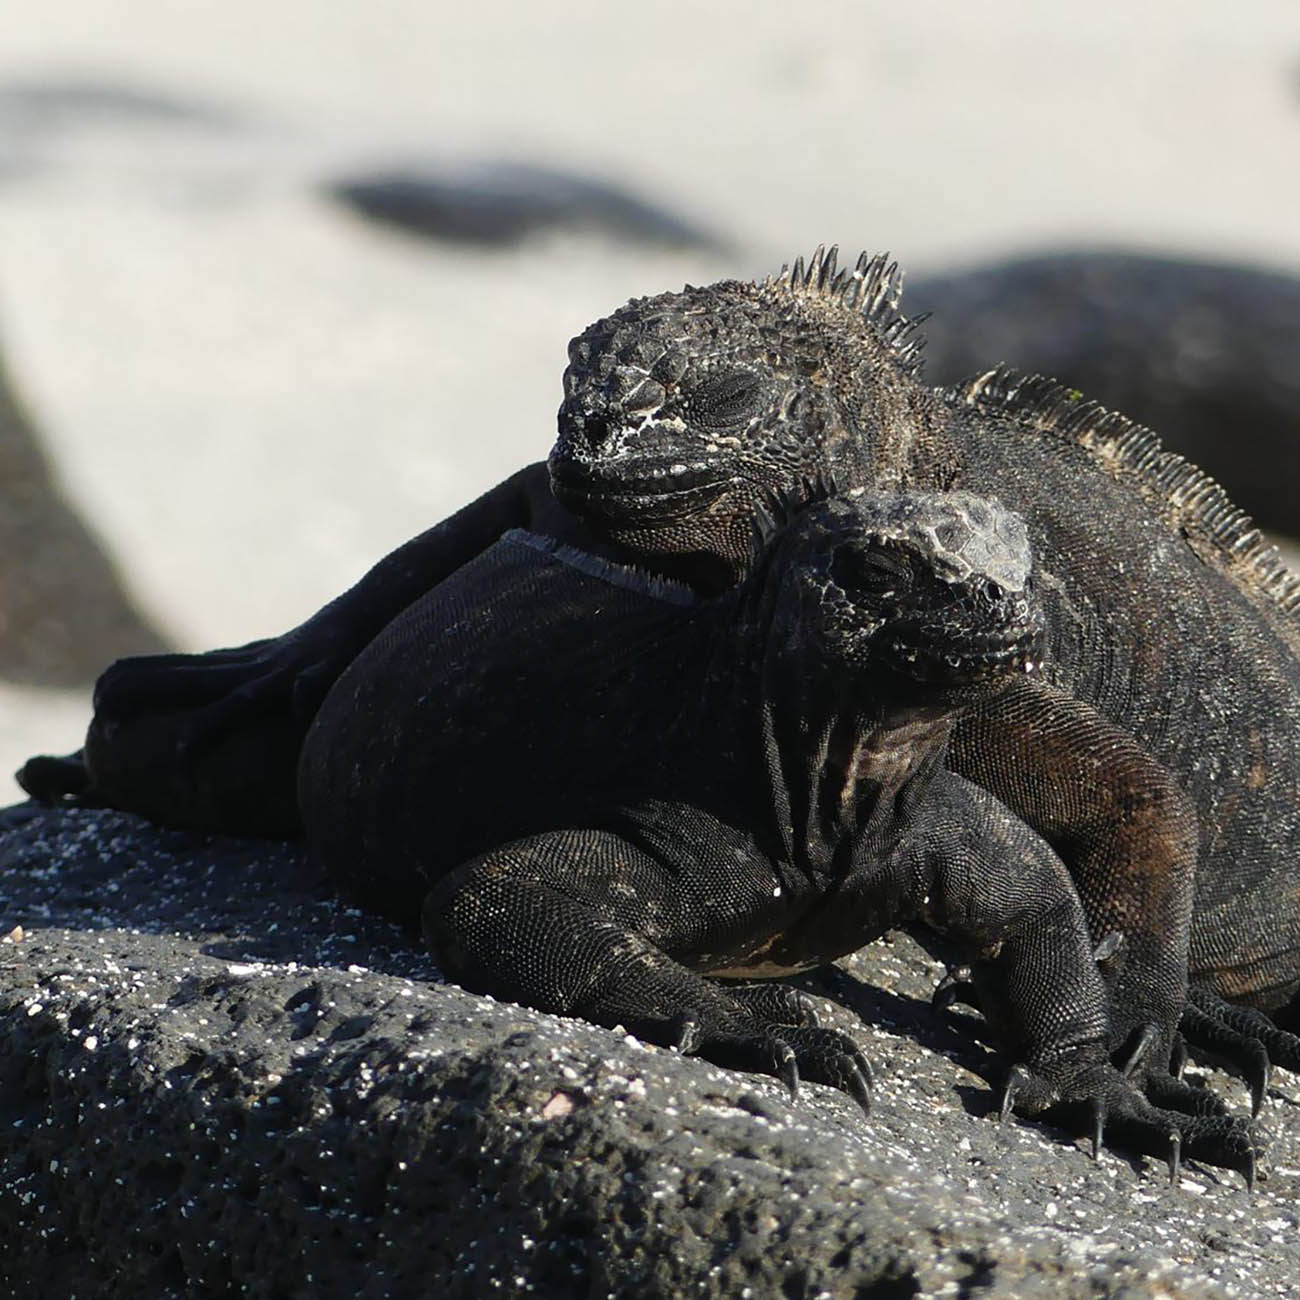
<point x="252" y="394"/>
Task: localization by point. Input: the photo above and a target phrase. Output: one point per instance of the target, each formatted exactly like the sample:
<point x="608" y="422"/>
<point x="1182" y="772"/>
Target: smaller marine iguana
<point x="604" y="790"/>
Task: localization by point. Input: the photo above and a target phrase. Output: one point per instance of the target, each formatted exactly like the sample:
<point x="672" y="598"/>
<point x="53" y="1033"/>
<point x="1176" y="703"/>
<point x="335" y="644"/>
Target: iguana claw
<point x="1018" y="1082"/>
<point x="688" y="1035"/>
<point x="859" y="1087"/>
<point x="1098" y="1126"/>
<point x="1147" y="1040"/>
<point x="788" y="1070"/>
<point x="1246" y="1039"/>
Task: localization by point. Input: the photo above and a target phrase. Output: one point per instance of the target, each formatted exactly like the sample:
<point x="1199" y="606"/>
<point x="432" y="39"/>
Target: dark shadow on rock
<point x="499" y="204"/>
<point x="251" y="900"/>
<point x="64" y="612"/>
<point x="961" y="1036"/>
<point x="1207" y="354"/>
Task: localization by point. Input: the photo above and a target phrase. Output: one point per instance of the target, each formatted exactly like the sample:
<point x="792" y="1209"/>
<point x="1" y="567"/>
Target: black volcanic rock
<point x="216" y="1077"/>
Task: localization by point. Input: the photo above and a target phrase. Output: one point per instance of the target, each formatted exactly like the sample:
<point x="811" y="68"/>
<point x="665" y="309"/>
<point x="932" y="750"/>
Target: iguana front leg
<point x="1125" y="830"/>
<point x="996" y="886"/>
<point x="584" y="923"/>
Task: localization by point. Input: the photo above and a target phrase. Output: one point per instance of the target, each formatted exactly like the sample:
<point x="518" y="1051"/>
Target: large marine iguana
<point x="1163" y="736"/>
<point x="740" y="786"/>
<point x="1173" y="624"/>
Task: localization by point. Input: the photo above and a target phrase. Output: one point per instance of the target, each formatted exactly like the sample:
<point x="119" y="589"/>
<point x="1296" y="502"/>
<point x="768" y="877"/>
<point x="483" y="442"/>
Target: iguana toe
<point x="1245" y="1039"/>
<point x="1172" y="1093"/>
<point x="1147" y="1041"/>
<point x="776" y="1004"/>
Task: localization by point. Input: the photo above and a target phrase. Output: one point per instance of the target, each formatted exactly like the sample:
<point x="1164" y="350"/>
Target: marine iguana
<point x="832" y="676"/>
<point x="1151" y="745"/>
<point x="740" y="786"/>
<point x="1160" y="738"/>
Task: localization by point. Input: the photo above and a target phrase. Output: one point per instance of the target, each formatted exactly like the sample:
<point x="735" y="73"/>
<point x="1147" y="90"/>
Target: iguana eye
<point x="726" y="400"/>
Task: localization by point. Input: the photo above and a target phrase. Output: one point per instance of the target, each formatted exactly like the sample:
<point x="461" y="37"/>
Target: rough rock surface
<point x="219" y="1078"/>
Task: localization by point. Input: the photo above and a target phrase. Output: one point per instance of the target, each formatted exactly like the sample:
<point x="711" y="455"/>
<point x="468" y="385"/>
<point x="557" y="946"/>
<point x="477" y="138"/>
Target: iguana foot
<point x="1138" y="1060"/>
<point x="1101" y="1103"/>
<point x="53" y="780"/>
<point x="791" y="1053"/>
<point x="1246" y="1039"/>
<point x="776" y="1004"/>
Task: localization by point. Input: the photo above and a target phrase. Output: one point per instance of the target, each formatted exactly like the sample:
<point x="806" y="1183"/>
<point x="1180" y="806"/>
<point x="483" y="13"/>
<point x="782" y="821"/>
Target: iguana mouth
<point x="1001" y="655"/>
<point x="635" y="487"/>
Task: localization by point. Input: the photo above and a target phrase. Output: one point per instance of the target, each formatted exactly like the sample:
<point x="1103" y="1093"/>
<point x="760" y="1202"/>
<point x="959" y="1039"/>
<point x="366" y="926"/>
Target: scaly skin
<point x="740" y="786"/>
<point x="1160" y="753"/>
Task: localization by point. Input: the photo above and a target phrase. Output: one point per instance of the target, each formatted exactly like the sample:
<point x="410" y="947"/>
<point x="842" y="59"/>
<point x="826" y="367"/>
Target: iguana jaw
<point x="635" y="489"/>
<point x="974" y="661"/>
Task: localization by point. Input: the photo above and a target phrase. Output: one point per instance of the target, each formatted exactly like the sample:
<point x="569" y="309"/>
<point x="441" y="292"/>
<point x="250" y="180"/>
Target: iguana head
<point x="682" y="412"/>
<point x="929" y="594"/>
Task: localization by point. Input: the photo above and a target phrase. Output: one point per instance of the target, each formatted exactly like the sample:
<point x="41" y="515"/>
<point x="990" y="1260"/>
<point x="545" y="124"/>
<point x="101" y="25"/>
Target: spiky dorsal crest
<point x="777" y="508"/>
<point x="1184" y="496"/>
<point x="872" y="290"/>
<point x="634" y="577"/>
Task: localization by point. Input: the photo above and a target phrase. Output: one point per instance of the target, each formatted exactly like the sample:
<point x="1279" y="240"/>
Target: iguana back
<point x="491" y="709"/>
